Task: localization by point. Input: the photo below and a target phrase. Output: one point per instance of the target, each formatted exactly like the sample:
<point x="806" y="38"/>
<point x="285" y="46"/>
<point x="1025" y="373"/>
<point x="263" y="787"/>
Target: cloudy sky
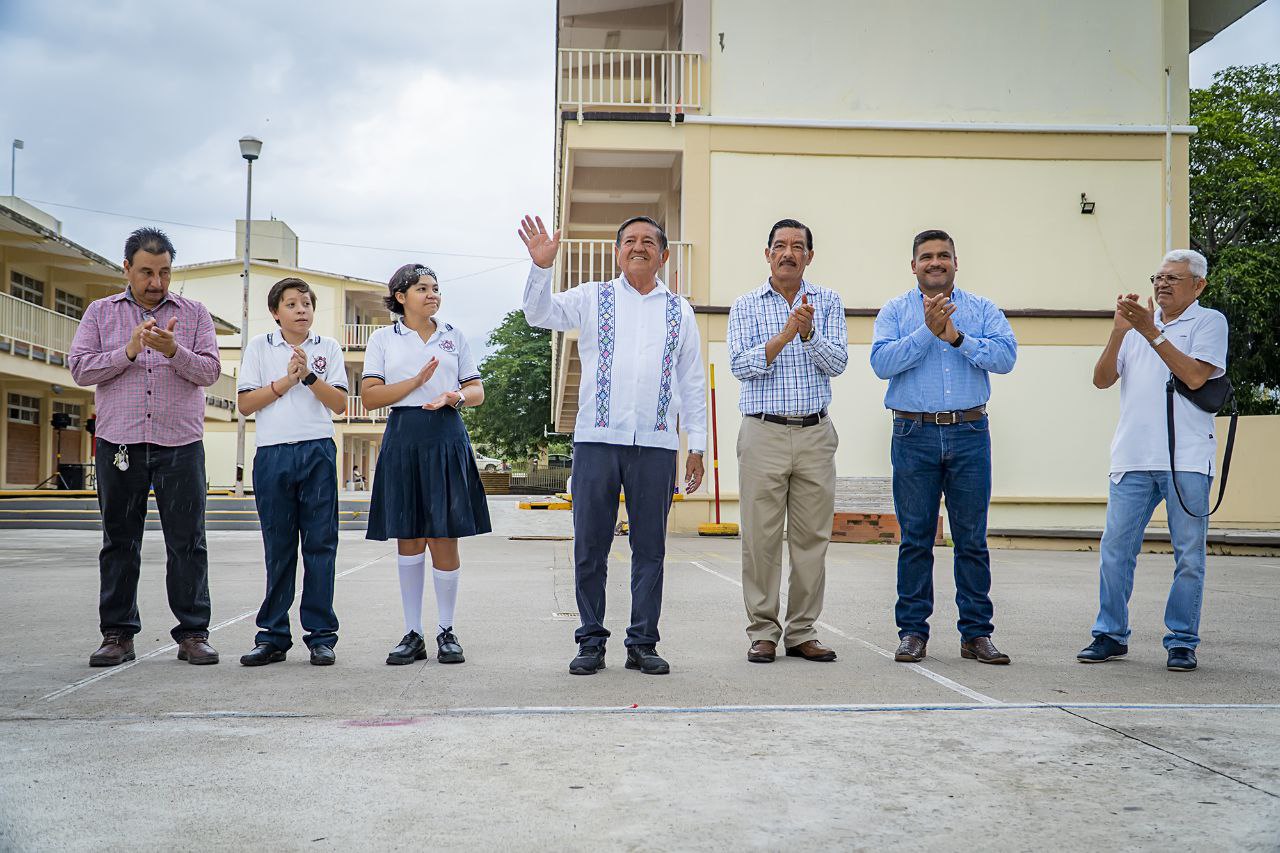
<point x="425" y="127"/>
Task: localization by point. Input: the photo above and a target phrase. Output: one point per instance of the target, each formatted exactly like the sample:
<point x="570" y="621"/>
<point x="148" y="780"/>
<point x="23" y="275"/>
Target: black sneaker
<point x="1181" y="659"/>
<point x="590" y="659"/>
<point x="449" y="650"/>
<point x="412" y="647"/>
<point x="1102" y="648"/>
<point x="645" y="659"/>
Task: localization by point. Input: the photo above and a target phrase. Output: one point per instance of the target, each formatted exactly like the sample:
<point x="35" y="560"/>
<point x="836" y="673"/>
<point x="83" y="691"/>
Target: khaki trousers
<point x="785" y="473"/>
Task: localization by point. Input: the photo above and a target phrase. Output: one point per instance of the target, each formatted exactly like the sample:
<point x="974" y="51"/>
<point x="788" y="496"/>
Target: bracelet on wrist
<point x="272" y="385"/>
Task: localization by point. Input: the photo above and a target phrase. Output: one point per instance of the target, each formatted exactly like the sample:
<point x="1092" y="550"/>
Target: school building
<point x="1050" y="139"/>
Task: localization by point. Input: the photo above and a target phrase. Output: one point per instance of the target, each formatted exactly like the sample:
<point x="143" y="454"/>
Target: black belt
<point x="944" y="418"/>
<point x="792" y="420"/>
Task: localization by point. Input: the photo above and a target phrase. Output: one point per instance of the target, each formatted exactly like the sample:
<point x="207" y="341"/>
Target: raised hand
<point x="937" y="313"/>
<point x="136" y="341"/>
<point x="426" y="372"/>
<point x="1122" y="323"/>
<point x="542" y="246"/>
<point x="1141" y="317"/>
<point x="299" y="356"/>
<point x="803" y="315"/>
<point x="448" y="398"/>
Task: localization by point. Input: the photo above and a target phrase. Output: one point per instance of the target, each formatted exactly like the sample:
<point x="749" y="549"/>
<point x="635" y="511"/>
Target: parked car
<point x="488" y="463"/>
<point x="559" y="460"/>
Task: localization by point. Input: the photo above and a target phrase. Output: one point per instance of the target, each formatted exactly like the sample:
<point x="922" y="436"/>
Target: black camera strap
<point x="1226" y="455"/>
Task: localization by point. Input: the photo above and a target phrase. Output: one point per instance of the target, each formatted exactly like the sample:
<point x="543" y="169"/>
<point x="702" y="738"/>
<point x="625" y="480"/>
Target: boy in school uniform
<point x="293" y="380"/>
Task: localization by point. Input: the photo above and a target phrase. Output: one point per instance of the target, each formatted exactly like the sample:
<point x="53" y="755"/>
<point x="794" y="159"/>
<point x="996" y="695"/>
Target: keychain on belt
<point x="122" y="457"/>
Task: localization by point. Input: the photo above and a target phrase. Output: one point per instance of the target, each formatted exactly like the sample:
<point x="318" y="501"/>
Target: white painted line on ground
<point x="106" y="673"/>
<point x="914" y="667"/>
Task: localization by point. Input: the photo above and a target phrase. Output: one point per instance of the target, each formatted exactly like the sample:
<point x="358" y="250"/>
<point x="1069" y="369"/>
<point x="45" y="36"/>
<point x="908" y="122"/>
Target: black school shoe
<point x="1181" y="659"/>
<point x="322" y="655"/>
<point x="449" y="651"/>
<point x="412" y="647"/>
<point x="589" y="660"/>
<point x="645" y="659"/>
<point x="262" y="654"/>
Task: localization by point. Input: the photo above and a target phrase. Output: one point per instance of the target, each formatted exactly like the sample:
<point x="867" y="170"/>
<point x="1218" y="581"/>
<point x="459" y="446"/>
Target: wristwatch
<point x="310" y="379"/>
<point x="959" y="338"/>
<point x="809" y="338"/>
<point x="1158" y="340"/>
<point x="461" y="399"/>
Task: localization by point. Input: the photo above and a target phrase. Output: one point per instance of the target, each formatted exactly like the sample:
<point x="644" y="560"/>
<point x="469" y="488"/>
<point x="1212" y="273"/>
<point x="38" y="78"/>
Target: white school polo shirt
<point x="298" y="415"/>
<point x="396" y="353"/>
<point x="1141" y="441"/>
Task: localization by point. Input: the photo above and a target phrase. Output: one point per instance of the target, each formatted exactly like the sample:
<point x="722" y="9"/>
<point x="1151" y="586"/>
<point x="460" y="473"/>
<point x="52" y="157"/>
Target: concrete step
<point x="221" y="513"/>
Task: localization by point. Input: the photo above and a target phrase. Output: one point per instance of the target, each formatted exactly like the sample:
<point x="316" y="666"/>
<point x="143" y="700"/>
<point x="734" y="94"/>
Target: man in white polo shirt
<point x="295" y="381"/>
<point x="1147" y="344"/>
<point x="641" y="371"/>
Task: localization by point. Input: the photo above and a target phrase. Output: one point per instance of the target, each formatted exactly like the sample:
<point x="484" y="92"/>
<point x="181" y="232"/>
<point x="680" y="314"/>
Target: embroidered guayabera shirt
<point x="152" y="399"/>
<point x="641" y="360"/>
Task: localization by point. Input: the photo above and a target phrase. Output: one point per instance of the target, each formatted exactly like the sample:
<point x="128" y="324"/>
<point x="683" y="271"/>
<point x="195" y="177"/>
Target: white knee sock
<point x="446" y="595"/>
<point x="413" y="577"/>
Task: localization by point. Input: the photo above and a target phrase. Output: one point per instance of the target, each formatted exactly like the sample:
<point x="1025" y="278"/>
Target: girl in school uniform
<point x="426" y="489"/>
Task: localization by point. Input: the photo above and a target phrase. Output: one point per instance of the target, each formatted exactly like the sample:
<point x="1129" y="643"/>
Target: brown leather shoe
<point x="116" y="649"/>
<point x="811" y="650"/>
<point x="911" y="649"/>
<point x="762" y="651"/>
<point x="196" y="649"/>
<point x="983" y="650"/>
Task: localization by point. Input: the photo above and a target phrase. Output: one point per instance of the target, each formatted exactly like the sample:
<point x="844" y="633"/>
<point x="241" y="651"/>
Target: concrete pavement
<point x="510" y="750"/>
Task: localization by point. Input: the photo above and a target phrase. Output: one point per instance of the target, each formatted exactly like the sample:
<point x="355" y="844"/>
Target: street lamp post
<point x="250" y="148"/>
<point x="13" y="166"/>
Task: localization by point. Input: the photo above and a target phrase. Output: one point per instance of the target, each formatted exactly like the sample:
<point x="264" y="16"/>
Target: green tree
<point x="1235" y="221"/>
<point x="517" y="390"/>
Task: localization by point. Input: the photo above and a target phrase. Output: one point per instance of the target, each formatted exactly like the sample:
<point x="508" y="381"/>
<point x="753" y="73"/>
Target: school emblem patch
<point x="448" y="345"/>
<point x="319" y="363"/>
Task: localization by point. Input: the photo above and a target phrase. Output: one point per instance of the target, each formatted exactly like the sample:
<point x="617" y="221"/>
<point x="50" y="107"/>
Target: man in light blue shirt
<point x="936" y="344"/>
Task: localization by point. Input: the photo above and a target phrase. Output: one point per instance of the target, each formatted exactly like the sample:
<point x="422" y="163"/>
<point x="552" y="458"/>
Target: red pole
<point x="715" y="443"/>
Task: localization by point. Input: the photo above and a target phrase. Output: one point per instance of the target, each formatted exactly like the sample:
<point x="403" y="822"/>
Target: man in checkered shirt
<point x="787" y="338"/>
<point x="151" y="354"/>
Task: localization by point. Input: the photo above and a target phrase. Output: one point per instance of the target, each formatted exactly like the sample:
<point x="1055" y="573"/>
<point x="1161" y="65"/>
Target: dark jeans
<point x="648" y="476"/>
<point x="930" y="461"/>
<point x="177" y="475"/>
<point x="296" y="489"/>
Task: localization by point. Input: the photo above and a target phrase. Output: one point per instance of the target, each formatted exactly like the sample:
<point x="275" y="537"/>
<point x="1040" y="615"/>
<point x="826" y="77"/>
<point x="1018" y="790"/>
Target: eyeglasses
<point x="1167" y="279"/>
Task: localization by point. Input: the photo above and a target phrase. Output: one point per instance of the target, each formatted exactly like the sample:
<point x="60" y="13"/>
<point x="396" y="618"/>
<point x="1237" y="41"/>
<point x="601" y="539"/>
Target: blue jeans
<point x="1129" y="507"/>
<point x="296" y="489"/>
<point x="930" y="461"/>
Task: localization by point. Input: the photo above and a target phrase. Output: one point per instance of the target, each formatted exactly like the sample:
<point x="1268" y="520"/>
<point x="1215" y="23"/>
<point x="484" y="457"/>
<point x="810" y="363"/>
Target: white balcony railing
<point x="35" y="332"/>
<point x="356" y="335"/>
<point x="593" y="260"/>
<point x="356" y="412"/>
<point x="663" y="81"/>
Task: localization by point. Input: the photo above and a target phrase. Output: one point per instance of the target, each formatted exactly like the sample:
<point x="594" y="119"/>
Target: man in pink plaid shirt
<point x="151" y="354"/>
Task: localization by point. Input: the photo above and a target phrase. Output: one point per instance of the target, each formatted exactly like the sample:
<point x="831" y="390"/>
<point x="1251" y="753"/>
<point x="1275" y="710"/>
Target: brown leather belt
<point x="792" y="420"/>
<point x="944" y="418"/>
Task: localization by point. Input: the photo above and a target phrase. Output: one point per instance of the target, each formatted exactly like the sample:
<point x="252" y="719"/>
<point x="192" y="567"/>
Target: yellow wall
<point x="1009" y="61"/>
<point x="1020" y="237"/>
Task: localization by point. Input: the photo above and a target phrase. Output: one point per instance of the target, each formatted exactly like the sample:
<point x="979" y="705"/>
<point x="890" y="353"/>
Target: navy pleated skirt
<point x="426" y="483"/>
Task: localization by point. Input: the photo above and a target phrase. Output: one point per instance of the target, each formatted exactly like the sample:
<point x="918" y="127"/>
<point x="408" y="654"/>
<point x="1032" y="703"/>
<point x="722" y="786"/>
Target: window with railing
<point x="24" y="409"/>
<point x="666" y="81"/>
<point x="68" y="304"/>
<point x="26" y="288"/>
